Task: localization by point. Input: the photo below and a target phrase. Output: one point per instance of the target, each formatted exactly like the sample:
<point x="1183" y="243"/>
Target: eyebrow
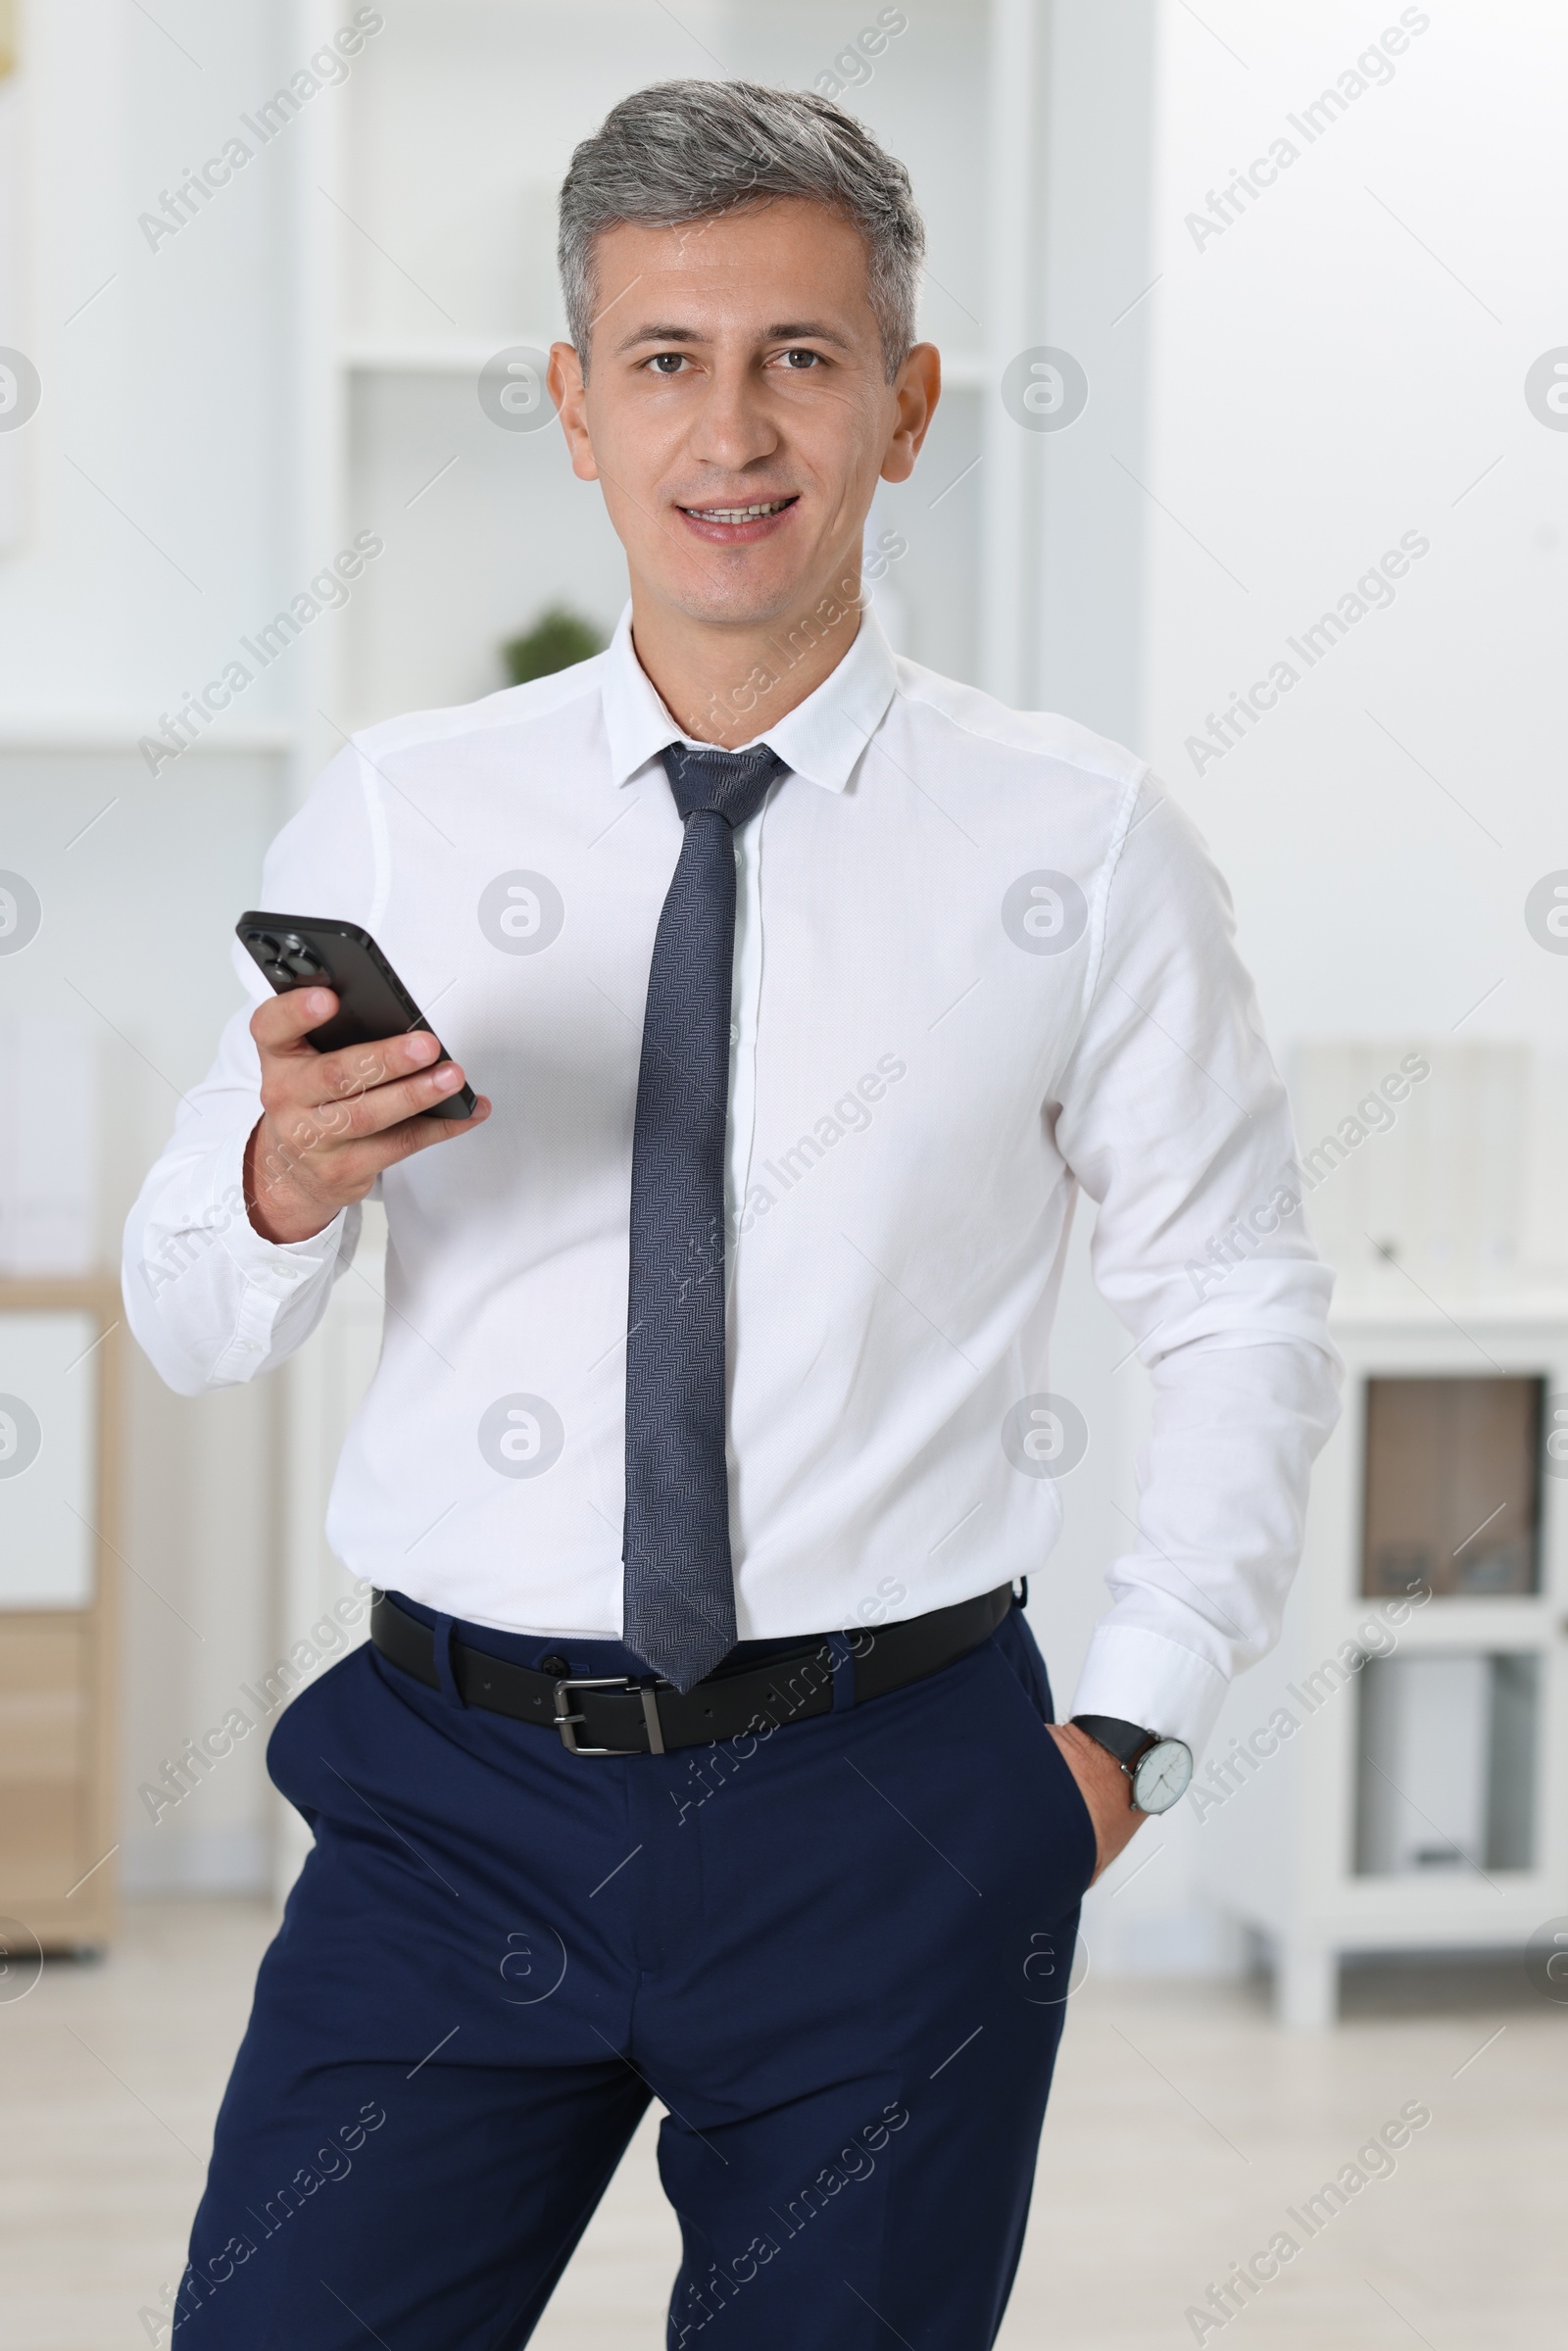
<point x="791" y="331"/>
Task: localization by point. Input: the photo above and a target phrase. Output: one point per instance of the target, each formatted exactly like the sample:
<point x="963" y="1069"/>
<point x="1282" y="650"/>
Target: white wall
<point x="1326" y="377"/>
<point x="161" y="394"/>
<point x="150" y="536"/>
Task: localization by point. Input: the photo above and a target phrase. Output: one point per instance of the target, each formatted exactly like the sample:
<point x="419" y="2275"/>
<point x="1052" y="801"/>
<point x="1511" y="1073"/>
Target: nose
<point x="733" y="428"/>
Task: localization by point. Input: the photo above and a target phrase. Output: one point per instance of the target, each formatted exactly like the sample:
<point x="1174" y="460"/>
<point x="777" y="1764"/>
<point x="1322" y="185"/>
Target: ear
<point x="916" y="392"/>
<point x="565" y="384"/>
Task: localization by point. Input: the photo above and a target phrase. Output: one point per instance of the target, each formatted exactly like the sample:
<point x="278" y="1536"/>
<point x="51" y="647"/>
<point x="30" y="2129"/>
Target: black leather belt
<point x="615" y="1714"/>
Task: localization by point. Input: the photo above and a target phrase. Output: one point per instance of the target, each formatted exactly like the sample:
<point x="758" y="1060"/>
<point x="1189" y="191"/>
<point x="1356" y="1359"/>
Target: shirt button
<point x="734" y="1034"/>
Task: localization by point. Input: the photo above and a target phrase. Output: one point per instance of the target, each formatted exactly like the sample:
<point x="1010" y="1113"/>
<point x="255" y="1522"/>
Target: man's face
<point x="736" y="365"/>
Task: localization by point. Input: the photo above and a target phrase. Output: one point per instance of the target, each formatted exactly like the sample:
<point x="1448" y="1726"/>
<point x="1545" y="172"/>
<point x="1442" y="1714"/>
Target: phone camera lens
<point x="298" y="961"/>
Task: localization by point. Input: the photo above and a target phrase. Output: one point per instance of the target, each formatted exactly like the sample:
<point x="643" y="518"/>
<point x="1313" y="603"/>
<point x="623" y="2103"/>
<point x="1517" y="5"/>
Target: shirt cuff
<point x="1141" y="1677"/>
<point x="218" y="1208"/>
<point x="270" y="1272"/>
<point x="280" y="1263"/>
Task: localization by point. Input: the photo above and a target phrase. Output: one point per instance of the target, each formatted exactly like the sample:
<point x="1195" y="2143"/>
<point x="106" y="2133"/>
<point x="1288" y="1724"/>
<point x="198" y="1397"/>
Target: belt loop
<point x="843" y="1671"/>
<point x="441" y="1634"/>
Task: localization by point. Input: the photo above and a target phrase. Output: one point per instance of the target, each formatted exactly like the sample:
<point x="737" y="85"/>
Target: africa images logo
<point x="521" y="1436"/>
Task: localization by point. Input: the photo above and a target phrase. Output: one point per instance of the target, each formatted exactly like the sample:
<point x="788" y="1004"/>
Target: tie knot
<point x="732" y="784"/>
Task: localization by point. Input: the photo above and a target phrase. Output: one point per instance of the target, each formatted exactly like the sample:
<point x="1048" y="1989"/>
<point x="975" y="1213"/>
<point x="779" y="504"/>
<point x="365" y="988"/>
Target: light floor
<point x="1183" y="2123"/>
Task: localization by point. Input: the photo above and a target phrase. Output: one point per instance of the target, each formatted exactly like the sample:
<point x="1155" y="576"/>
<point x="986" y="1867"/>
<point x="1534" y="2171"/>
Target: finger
<point x="457" y="1124"/>
<point x="359" y="1161"/>
<point x="417" y="1134"/>
<point x="283" y="1021"/>
<point x="373" y="1110"/>
<point x="307" y="1077"/>
<point x="328" y="1139"/>
<point x="355" y="1069"/>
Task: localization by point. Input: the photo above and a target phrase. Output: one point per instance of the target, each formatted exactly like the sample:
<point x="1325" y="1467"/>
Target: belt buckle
<point x="565" y="1721"/>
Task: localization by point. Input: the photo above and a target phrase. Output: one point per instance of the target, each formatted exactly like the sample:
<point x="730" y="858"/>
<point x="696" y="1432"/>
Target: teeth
<point x="737" y="514"/>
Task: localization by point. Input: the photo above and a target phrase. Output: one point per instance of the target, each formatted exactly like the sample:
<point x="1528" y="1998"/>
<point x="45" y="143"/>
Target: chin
<point x="739" y="603"/>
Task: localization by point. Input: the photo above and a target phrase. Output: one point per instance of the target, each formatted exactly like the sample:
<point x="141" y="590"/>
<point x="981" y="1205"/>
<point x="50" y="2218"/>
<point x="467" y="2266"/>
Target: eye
<point x="799" y="363"/>
<point x="666" y="363"/>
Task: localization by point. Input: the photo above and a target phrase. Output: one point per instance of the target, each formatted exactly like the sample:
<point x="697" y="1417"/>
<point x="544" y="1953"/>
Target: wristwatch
<point x="1159" y="1769"/>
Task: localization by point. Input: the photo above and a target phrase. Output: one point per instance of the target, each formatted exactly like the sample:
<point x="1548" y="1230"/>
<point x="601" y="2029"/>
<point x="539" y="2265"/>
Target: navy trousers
<point x="838" y="1955"/>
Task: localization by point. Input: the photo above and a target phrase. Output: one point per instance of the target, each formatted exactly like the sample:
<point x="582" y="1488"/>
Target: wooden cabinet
<point x="59" y="1507"/>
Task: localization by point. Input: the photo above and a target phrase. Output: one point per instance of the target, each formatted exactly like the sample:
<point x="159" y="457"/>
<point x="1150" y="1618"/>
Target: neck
<point x="728" y="684"/>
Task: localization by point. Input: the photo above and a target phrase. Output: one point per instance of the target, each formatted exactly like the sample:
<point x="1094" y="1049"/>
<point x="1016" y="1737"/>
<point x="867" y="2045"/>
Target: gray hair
<point x="682" y="151"/>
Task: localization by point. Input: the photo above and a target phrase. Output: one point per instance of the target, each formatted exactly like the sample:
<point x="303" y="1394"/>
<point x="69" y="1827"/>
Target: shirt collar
<point x="820" y="739"/>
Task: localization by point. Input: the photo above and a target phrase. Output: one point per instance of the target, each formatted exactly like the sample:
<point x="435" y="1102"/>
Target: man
<point x="701" y="1751"/>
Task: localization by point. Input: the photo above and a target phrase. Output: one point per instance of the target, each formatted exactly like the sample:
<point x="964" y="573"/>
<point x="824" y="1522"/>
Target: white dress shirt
<point x="934" y="1047"/>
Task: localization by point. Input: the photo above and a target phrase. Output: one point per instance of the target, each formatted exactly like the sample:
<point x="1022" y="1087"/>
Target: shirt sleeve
<point x="1173" y="1118"/>
<point x="206" y="1298"/>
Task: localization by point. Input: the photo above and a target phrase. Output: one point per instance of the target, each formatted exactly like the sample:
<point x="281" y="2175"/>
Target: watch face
<point x="1161" y="1776"/>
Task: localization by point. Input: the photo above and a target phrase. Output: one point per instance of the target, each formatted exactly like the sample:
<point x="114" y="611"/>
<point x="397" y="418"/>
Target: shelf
<point x="60" y="1293"/>
<point x="58" y="731"/>
<point x="1451" y="1484"/>
<point x="465" y="358"/>
<point x="1463" y="1727"/>
<point x="1401" y="1307"/>
<point x="59" y="1778"/>
<point x="1410" y="1914"/>
<point x="1507" y="1620"/>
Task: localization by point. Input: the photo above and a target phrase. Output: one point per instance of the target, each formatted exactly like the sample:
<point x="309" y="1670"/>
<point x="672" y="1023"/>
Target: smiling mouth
<point x="740" y="514"/>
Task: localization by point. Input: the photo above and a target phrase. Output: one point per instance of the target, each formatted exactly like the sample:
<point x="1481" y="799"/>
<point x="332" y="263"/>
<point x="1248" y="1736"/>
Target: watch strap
<point x="1126" y="1741"/>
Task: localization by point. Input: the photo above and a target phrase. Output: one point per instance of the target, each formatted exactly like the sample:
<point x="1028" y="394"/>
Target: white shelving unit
<point x="1311" y="1838"/>
<point x="61" y="1475"/>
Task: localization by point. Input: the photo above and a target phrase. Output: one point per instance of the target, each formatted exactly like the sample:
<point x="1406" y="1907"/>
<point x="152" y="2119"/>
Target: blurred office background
<point x="1200" y="393"/>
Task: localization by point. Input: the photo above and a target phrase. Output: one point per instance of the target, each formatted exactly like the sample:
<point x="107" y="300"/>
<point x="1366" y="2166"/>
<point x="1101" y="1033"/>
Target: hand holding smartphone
<point x="352" y="1078"/>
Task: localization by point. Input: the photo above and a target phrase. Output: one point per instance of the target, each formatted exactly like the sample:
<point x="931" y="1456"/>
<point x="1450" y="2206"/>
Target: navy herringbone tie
<point x="679" y="1591"/>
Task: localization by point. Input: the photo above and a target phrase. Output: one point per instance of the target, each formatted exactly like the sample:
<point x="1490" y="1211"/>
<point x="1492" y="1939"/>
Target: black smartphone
<point x="306" y="951"/>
